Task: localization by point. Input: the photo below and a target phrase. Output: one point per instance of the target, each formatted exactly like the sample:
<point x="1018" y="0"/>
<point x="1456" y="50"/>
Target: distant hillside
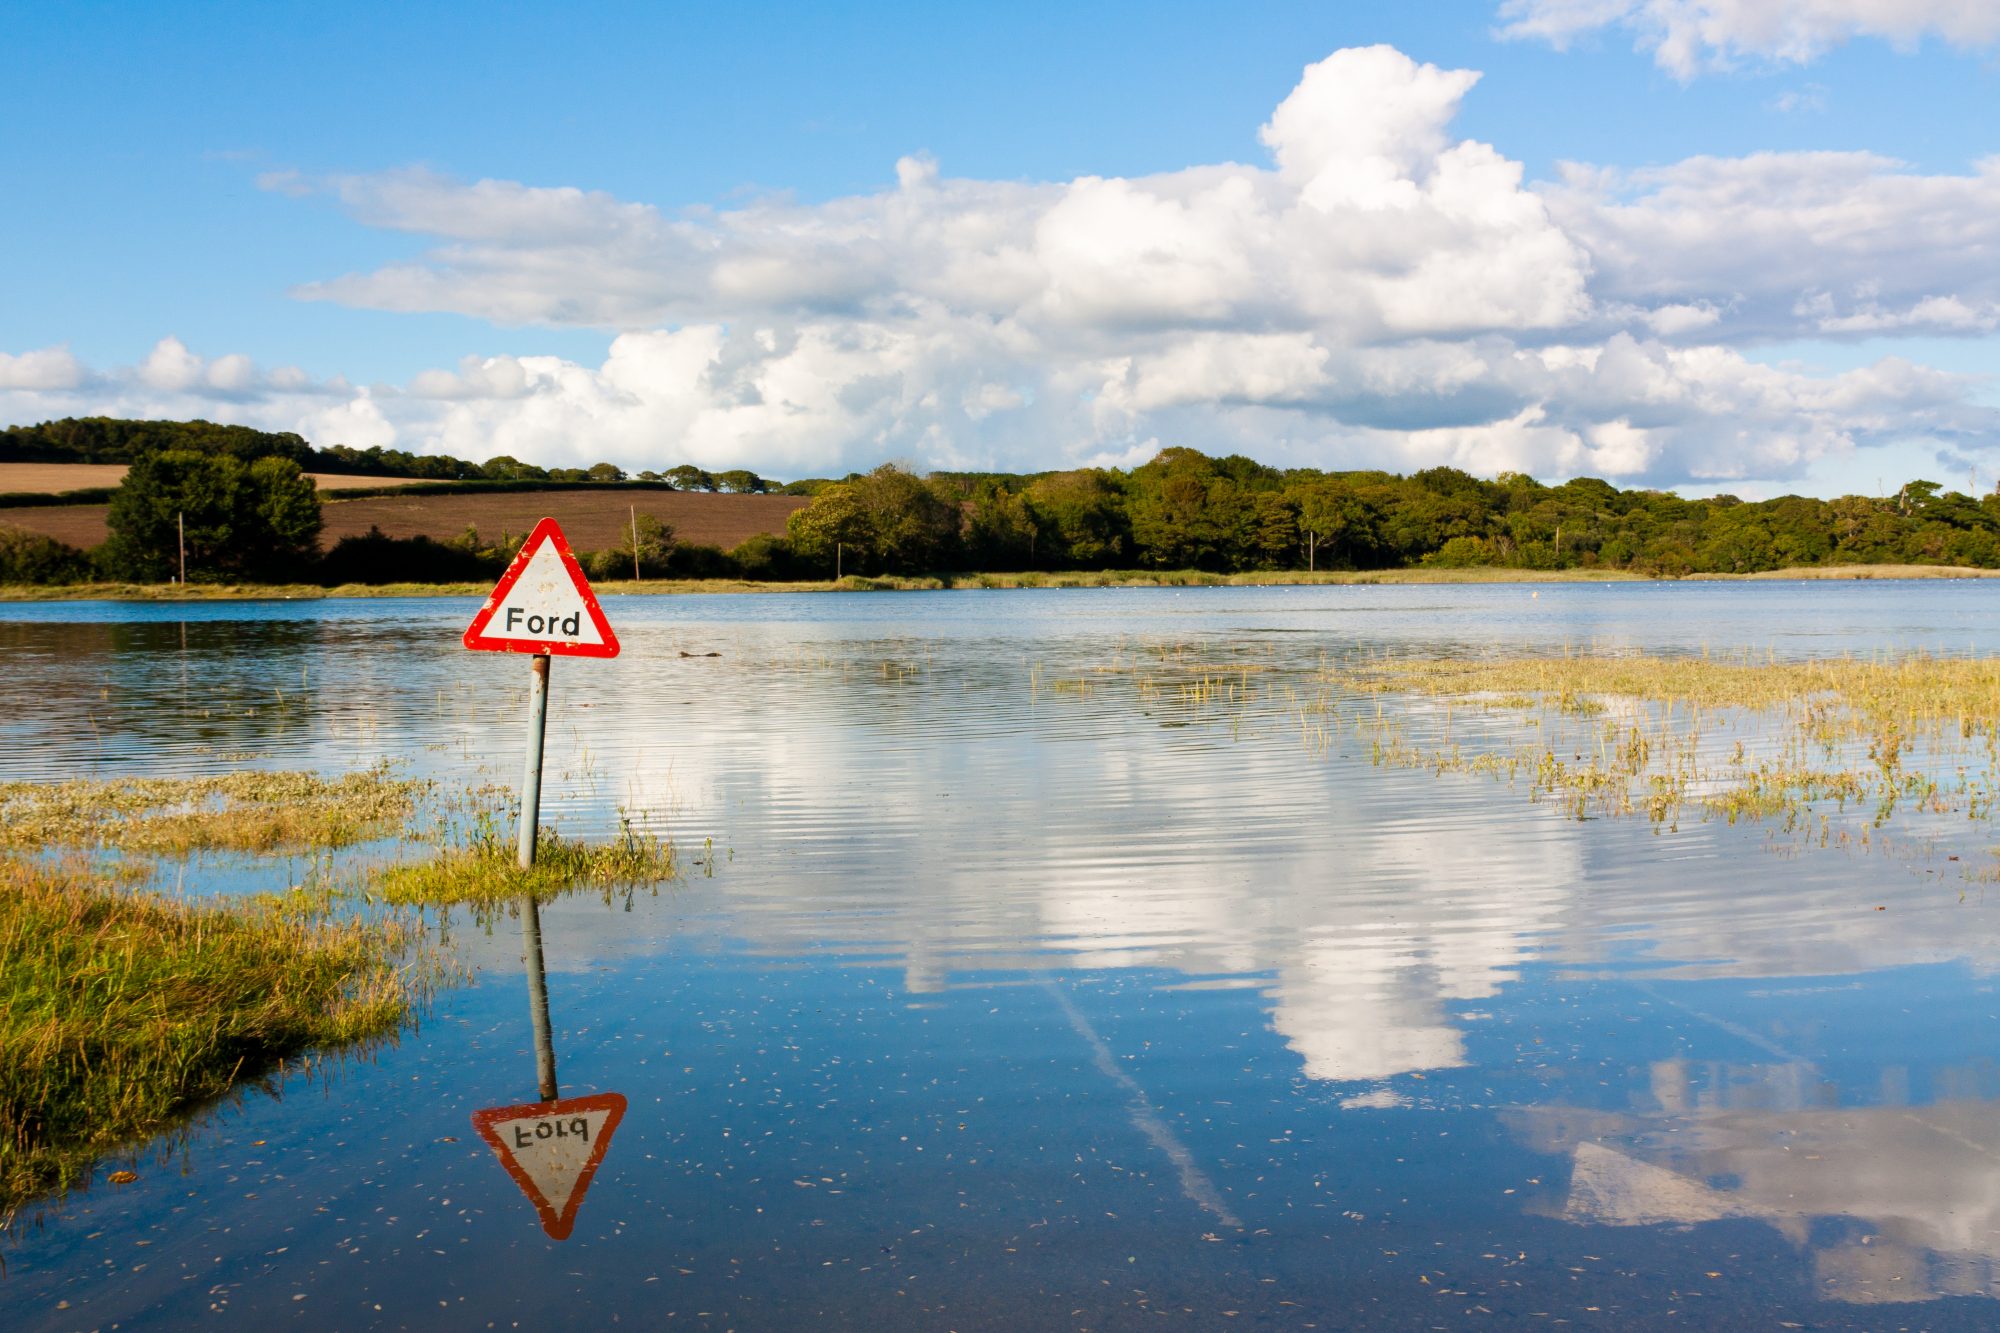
<point x="593" y="518"/>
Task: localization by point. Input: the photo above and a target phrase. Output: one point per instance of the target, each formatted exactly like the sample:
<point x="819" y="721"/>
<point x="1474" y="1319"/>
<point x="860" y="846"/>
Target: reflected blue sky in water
<point x="1005" y="999"/>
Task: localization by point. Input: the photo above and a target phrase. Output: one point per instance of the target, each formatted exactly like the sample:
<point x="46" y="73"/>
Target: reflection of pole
<point x="538" y="993"/>
<point x="531" y="781"/>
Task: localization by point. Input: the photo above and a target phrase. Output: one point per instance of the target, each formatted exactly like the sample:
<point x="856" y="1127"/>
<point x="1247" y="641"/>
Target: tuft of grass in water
<point x="242" y="812"/>
<point x="483" y="873"/>
<point x="124" y="1009"/>
<point x="1912" y="731"/>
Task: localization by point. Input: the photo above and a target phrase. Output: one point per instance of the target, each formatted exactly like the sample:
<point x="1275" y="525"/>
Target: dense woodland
<point x="242" y="491"/>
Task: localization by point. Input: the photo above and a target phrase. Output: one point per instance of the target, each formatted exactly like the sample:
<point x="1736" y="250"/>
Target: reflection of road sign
<point x="552" y="1150"/>
<point x="543" y="604"/>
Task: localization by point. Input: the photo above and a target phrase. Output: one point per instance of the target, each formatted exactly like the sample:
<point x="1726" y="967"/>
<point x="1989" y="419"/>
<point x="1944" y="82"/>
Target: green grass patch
<point x="124" y="1010"/>
<point x="484" y="873"/>
<point x="241" y="812"/>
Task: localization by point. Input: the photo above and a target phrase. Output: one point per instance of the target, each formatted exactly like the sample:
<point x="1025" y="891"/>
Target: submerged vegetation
<point x="241" y="812"/>
<point x="1655" y="735"/>
<point x="482" y="872"/>
<point x="1827" y="750"/>
<point x="123" y="1007"/>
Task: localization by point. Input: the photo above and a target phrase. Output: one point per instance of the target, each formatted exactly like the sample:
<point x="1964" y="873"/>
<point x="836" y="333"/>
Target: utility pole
<point x="837" y="552"/>
<point x="180" y="526"/>
<point x="635" y="542"/>
<point x="1312" y="552"/>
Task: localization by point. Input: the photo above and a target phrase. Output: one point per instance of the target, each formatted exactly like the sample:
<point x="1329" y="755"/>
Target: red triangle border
<point x="477" y="637"/>
<point x="556" y="1224"/>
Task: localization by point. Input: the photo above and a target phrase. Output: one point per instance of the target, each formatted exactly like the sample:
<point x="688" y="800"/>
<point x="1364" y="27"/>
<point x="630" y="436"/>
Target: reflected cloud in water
<point x="1894" y="1202"/>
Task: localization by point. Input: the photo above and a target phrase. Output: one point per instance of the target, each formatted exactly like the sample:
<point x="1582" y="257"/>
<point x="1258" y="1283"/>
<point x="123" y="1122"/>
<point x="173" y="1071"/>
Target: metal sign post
<point x="531" y="779"/>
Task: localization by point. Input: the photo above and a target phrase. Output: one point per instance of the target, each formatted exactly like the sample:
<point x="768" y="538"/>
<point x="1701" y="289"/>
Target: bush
<point x="768" y="558"/>
<point x="29" y="557"/>
<point x="1462" y="553"/>
<point x="374" y="558"/>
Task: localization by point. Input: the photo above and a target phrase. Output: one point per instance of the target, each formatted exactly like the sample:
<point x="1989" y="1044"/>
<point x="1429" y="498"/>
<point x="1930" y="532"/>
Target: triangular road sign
<point x="552" y="1149"/>
<point x="543" y="604"/>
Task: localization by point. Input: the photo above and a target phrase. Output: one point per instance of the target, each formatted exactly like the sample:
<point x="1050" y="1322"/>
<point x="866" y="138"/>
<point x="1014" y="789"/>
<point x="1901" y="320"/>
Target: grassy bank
<point x="1860" y="572"/>
<point x="123" y="1010"/>
<point x="1128" y="578"/>
<point x="1115" y="578"/>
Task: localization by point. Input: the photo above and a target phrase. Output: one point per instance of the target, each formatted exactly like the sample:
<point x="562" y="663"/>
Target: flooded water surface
<point x="1038" y="961"/>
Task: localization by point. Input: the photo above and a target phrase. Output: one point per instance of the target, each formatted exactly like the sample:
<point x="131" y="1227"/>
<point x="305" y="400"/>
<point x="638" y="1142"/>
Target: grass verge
<point x="124" y="1010"/>
<point x="1097" y="578"/>
<point x="1113" y="578"/>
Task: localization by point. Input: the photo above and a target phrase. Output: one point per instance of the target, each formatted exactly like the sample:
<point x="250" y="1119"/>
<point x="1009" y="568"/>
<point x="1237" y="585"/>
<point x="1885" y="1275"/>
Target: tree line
<point x="117" y="440"/>
<point x="1187" y="510"/>
<point x="237" y="505"/>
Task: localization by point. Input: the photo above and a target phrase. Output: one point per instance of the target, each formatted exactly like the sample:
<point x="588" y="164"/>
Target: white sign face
<point x="552" y="1149"/>
<point x="543" y="604"/>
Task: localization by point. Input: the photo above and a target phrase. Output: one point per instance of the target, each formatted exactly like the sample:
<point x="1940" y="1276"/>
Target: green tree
<point x="741" y="481"/>
<point x="833" y="531"/>
<point x="914" y="523"/>
<point x="1187" y="513"/>
<point x="1079" y="519"/>
<point x="688" y="477"/>
<point x="171" y="501"/>
<point x="999" y="530"/>
<point x="281" y="513"/>
<point x="1275" y="529"/>
<point x="240" y="521"/>
<point x="1337" y="524"/>
<point x="655" y="552"/>
<point x="505" y="467"/>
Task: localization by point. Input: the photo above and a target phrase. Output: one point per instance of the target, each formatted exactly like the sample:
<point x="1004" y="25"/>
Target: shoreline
<point x="224" y="592"/>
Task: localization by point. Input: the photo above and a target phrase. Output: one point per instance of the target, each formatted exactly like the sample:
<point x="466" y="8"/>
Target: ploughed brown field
<point x="591" y="519"/>
<point x="55" y="478"/>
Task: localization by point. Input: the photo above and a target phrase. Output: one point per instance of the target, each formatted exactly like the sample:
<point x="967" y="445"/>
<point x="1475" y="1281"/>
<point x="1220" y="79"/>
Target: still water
<point x="999" y="996"/>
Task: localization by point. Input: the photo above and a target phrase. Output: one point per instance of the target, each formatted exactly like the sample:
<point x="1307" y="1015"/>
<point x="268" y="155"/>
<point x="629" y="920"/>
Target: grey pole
<point x="538" y="994"/>
<point x="531" y="915"/>
<point x="531" y="780"/>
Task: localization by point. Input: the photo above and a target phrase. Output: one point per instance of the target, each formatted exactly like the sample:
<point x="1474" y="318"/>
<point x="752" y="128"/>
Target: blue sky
<point x="190" y="171"/>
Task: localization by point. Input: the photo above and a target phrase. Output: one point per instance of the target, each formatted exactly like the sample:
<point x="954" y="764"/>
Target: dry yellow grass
<point x="246" y="812"/>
